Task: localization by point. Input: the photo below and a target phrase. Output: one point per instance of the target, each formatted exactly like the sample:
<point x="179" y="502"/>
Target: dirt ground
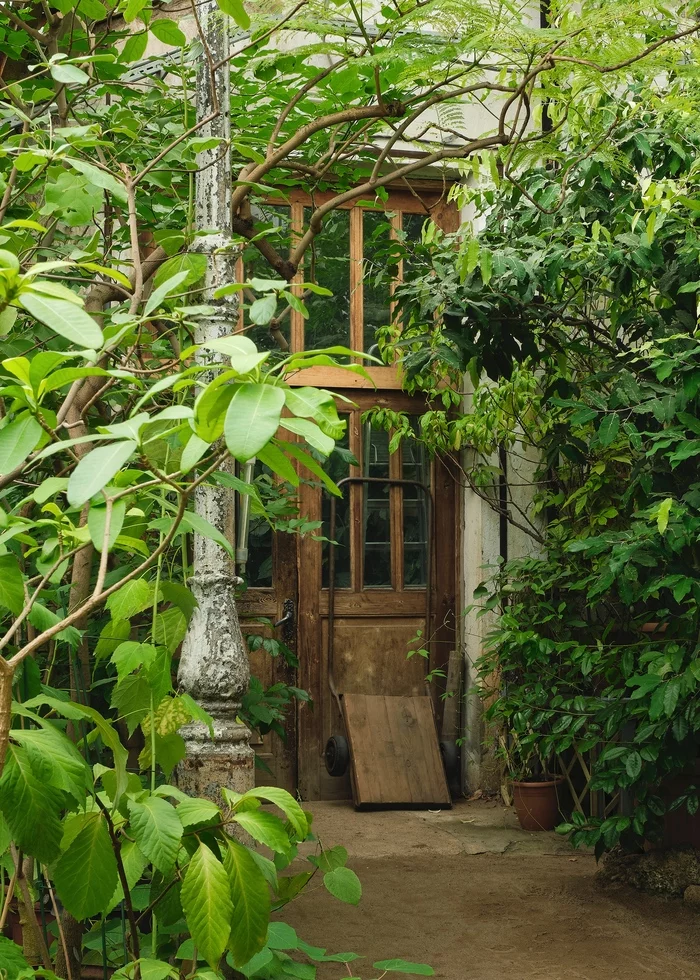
<point x="478" y="899"/>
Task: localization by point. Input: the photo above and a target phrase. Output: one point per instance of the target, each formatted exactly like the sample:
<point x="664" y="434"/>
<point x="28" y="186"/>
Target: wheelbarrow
<point x="390" y="742"/>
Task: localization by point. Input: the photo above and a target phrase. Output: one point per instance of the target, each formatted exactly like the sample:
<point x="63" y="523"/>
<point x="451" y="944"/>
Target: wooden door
<point x="382" y="561"/>
<point x="383" y="557"/>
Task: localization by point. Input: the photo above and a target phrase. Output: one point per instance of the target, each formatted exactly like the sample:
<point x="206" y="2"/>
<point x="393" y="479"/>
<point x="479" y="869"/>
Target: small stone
<point x="692" y="895"/>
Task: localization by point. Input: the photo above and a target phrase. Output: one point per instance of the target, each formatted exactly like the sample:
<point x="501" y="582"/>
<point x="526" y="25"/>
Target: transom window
<point x="345" y="257"/>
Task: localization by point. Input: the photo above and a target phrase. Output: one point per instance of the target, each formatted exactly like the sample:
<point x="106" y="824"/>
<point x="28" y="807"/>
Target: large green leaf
<point x="164" y="289"/>
<point x="344" y="885"/>
<point x="86" y="873"/>
<point x="11" y="584"/>
<point x="97" y="523"/>
<point x="168" y="32"/>
<point x="311" y="432"/>
<point x="264" y="827"/>
<point x="287" y="804"/>
<point x="236" y="10"/>
<point x="96" y="469"/>
<point x="30" y="803"/>
<point x="132" y="598"/>
<point x="17" y="439"/>
<point x="157" y="830"/>
<point x="131" y="655"/>
<point x="404" y="966"/>
<point x="252" y="418"/>
<point x="100" y="178"/>
<point x="193" y="263"/>
<point x="67" y="319"/>
<point x="70" y="772"/>
<point x="206" y="901"/>
<point x="12" y="962"/>
<point x="251" y="903"/>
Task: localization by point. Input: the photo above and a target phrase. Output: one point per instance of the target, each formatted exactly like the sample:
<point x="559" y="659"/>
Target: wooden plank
<point x="337" y="377"/>
<point x="395" y="752"/>
<point x="376" y="602"/>
<point x="370" y="656"/>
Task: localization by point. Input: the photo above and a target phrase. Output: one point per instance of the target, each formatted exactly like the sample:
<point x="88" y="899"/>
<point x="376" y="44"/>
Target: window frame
<point x="429" y="200"/>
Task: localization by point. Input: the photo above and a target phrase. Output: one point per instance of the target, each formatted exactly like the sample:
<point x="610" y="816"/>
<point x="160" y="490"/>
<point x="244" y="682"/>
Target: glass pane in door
<point x="415" y="466"/>
<point x="337" y="466"/>
<point x="377" y="511"/>
<point x="375" y="287"/>
<point x="328" y="264"/>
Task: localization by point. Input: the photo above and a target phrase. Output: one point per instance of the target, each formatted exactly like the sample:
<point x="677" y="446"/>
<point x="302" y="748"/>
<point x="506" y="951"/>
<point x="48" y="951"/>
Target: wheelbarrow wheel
<point x="337" y="755"/>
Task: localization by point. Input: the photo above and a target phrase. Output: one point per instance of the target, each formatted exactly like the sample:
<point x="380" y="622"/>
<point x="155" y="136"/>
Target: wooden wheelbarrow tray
<point x="395" y="756"/>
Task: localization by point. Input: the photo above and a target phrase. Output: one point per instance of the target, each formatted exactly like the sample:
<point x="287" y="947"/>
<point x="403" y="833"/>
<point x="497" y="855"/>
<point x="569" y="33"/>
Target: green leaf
<point x="157" y="830"/>
<point x="344" y="885"/>
<point x="133" y="597"/>
<point x="97" y="522"/>
<point x="67" y="319"/>
<point x="161" y="292"/>
<point x="86" y="873"/>
<point x="69" y="74"/>
<point x="135" y="47"/>
<point x="17" y="439"/>
<point x="96" y="469"/>
<point x="311" y="433"/>
<point x="673" y="690"/>
<point x="236" y="10"/>
<point x="273" y="457"/>
<point x="11" y="584"/>
<point x="169" y="628"/>
<point x="245" y="356"/>
<point x="70" y="772"/>
<point x="133" y="9"/>
<point x="633" y="764"/>
<point x="168" y="32"/>
<point x="12" y="961"/>
<point x="131" y="655"/>
<point x="663" y="513"/>
<point x="286" y="803"/>
<point x="265" y="828"/>
<point x="30" y="803"/>
<point x="194" y="264"/>
<point x="197" y="811"/>
<point x="251" y="903"/>
<point x="263" y="309"/>
<point x="207" y="904"/>
<point x="404" y="966"/>
<point x="486" y="266"/>
<point x="281" y="936"/>
<point x="316" y="404"/>
<point x="99" y="178"/>
<point x="252" y="419"/>
<point x="608" y="429"/>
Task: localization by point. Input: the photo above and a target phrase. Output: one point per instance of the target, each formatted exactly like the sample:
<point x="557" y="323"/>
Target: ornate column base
<point x="226" y="761"/>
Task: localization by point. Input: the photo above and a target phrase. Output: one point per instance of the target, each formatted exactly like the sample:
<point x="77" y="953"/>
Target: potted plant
<point x="535" y="788"/>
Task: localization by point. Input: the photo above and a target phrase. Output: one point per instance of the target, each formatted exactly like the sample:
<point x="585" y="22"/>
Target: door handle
<point x="288" y="616"/>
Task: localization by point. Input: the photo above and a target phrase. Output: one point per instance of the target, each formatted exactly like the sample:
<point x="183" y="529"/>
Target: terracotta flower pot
<point x="537" y="804"/>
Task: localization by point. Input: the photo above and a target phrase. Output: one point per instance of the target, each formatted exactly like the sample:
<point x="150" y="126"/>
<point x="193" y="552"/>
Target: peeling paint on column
<point x="214" y="666"/>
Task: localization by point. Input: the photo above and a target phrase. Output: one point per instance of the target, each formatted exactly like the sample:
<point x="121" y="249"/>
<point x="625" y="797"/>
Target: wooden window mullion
<point x="296" y="330"/>
<point x="357" y="318"/>
<point x="396" y="516"/>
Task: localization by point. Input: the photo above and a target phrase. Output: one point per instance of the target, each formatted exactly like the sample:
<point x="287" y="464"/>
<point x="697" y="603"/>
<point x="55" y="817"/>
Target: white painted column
<point x="214" y="666"/>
